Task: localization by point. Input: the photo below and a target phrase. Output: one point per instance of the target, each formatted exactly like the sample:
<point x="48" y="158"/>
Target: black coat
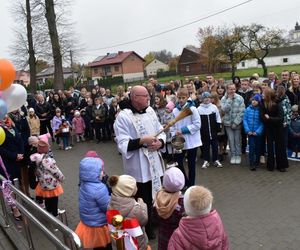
<point x="12" y="146"/>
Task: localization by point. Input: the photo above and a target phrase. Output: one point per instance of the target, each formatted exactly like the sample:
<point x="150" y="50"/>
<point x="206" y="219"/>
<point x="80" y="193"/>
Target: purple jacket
<point x="56" y="122"/>
<point x="203" y="233"/>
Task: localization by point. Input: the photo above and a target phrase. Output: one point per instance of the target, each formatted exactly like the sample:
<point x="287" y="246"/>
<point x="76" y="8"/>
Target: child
<point x="253" y="126"/>
<point x="189" y="128"/>
<point x="122" y="198"/>
<point x="33" y="122"/>
<point x="169" y="205"/>
<point x="294" y="130"/>
<point x="93" y="201"/>
<point x="49" y="177"/>
<point x="78" y="126"/>
<point x="202" y="228"/>
<point x="210" y="126"/>
<point x="55" y="124"/>
<point x="166" y="118"/>
<point x="64" y="134"/>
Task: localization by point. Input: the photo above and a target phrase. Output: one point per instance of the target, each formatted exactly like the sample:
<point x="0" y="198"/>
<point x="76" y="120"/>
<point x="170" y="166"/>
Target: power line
<point x="175" y="28"/>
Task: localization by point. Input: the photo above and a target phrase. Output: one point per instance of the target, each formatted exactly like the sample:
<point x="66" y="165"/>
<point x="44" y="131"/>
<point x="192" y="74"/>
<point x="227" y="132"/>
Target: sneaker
<point x="205" y="164"/>
<point x="298" y="155"/>
<point x="238" y="159"/>
<point x="293" y="154"/>
<point x="262" y="159"/>
<point x="218" y="164"/>
<point x="78" y="140"/>
<point x="69" y="147"/>
<point x="232" y="160"/>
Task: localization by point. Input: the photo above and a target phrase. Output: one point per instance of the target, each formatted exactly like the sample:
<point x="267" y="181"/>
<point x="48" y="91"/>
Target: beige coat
<point x="34" y="125"/>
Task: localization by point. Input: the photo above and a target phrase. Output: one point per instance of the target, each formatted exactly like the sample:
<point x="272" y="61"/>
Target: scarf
<point x="166" y="203"/>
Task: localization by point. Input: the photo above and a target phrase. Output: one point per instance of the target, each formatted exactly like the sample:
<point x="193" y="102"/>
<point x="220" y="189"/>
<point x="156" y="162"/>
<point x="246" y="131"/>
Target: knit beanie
<point x="45" y="137"/>
<point x="77" y="113"/>
<point x="295" y="108"/>
<point x="94" y="154"/>
<point x="197" y="201"/>
<point x="31" y="110"/>
<point x="33" y="140"/>
<point x="257" y="98"/>
<point x="173" y="180"/>
<point x="42" y="147"/>
<point x="170" y="106"/>
<point x="206" y="95"/>
<point x="123" y="185"/>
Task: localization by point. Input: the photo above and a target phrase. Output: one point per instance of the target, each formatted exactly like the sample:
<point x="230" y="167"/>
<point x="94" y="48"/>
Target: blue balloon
<point x="3" y="109"/>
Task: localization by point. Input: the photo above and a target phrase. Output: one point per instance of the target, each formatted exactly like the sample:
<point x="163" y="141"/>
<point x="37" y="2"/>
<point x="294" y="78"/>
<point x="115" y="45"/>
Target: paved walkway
<point x="260" y="210"/>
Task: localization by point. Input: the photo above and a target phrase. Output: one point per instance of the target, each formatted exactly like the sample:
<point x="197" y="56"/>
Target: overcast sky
<point x="100" y="23"/>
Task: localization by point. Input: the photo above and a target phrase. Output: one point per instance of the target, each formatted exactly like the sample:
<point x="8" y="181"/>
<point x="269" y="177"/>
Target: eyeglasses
<point x="146" y="95"/>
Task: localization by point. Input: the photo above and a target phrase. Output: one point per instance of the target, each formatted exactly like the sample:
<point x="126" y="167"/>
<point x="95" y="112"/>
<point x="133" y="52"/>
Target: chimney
<point x="107" y="54"/>
<point x="120" y="52"/>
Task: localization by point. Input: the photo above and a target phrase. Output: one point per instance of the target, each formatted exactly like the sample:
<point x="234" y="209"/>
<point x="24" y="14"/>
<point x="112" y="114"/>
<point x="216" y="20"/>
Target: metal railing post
<point x="5" y="213"/>
<point x="24" y="218"/>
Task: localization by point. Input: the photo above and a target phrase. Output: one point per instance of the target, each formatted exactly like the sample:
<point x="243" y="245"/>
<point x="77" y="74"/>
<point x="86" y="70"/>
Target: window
<point x="95" y="70"/>
<point x="116" y="68"/>
<point x="106" y="70"/>
<point x="243" y="64"/>
<point x="187" y="68"/>
<point x="285" y="60"/>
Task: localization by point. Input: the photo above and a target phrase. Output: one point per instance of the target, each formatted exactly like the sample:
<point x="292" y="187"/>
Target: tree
<point x="56" y="51"/>
<point x="229" y="42"/>
<point x="149" y="58"/>
<point x="258" y="40"/>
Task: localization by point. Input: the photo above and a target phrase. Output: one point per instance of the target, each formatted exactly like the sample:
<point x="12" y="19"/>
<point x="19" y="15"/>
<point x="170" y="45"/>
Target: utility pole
<point x="71" y="58"/>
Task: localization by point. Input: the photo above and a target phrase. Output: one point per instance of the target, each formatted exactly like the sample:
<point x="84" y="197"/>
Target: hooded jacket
<point x="233" y="109"/>
<point x="205" y="232"/>
<point x="93" y="194"/>
<point x="252" y="120"/>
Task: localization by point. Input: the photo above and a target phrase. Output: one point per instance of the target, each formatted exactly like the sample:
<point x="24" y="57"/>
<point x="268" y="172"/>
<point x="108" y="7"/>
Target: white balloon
<point x="15" y="97"/>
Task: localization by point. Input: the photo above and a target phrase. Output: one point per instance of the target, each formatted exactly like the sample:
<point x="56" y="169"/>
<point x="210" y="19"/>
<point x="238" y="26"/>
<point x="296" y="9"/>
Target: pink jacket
<point x="78" y="125"/>
<point x="203" y="233"/>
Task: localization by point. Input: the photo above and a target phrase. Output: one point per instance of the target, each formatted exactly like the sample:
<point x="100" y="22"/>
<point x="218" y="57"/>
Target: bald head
<point x="139" y="97"/>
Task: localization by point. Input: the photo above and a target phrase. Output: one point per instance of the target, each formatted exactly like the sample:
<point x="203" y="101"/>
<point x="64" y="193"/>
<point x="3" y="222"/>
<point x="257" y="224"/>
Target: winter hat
<point x="94" y="154"/>
<point x="77" y="113"/>
<point x="257" y="98"/>
<point x="206" y="95"/>
<point x="123" y="185"/>
<point x="31" y="110"/>
<point x="170" y="106"/>
<point x="173" y="180"/>
<point x="32" y="140"/>
<point x="42" y="147"/>
<point x="45" y="137"/>
<point x="197" y="201"/>
<point x="295" y="108"/>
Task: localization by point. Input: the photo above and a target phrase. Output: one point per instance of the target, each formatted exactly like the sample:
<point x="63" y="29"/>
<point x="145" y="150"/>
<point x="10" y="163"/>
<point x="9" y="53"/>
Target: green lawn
<point x="241" y="73"/>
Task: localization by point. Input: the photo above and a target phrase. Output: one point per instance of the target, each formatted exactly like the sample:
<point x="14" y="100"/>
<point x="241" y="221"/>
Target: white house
<point x="154" y="66"/>
<point x="277" y="56"/>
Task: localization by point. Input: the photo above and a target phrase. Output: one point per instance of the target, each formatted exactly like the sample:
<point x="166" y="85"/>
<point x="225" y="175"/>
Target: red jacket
<point x="205" y="232"/>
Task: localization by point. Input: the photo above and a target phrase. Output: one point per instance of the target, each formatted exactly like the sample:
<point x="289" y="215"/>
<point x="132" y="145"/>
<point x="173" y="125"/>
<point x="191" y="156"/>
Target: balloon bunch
<point x="12" y="96"/>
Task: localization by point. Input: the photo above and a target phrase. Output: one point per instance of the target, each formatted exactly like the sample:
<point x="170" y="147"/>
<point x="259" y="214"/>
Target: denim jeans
<point x="65" y="140"/>
<point x="254" y="149"/>
<point x="234" y="139"/>
<point x="191" y="157"/>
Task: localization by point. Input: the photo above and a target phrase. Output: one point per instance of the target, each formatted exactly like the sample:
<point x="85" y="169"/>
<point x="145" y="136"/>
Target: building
<point x="294" y="36"/>
<point x="277" y="56"/>
<point x="189" y="62"/>
<point x="129" y="65"/>
<point x="48" y="73"/>
<point x="154" y="66"/>
<point x="22" y="77"/>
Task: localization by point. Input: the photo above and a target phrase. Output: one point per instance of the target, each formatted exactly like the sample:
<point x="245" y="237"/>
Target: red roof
<point x="113" y="58"/>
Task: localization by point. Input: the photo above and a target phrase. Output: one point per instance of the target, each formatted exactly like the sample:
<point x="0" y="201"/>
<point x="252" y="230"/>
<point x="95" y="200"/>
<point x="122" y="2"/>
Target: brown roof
<point x="113" y="58"/>
<point x="189" y="56"/>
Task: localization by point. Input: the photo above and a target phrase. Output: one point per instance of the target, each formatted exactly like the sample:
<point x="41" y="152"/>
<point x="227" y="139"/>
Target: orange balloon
<point x="7" y="74"/>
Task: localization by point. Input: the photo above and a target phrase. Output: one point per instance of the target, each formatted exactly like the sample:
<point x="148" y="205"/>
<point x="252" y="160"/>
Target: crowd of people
<point x="263" y="115"/>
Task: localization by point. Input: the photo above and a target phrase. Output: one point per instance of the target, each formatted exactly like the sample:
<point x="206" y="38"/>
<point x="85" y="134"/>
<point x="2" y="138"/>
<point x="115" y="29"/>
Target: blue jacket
<point x="93" y="194"/>
<point x="252" y="120"/>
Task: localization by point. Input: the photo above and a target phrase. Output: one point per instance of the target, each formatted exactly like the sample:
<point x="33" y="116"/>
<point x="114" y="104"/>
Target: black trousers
<point x="52" y="205"/>
<point x="100" y="130"/>
<point x="144" y="191"/>
<point x="44" y="126"/>
<point x="275" y="138"/>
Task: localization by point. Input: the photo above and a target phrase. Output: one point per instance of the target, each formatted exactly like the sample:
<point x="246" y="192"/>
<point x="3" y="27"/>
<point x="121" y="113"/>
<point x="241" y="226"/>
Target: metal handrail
<point x="66" y="231"/>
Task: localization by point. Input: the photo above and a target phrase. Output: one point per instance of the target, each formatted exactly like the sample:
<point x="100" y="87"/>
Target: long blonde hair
<point x="269" y="96"/>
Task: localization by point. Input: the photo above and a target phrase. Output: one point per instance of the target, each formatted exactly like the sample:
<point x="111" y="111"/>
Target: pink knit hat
<point x="173" y="180"/>
<point x="170" y="106"/>
<point x="42" y="147"/>
<point x="45" y="137"/>
<point x="94" y="154"/>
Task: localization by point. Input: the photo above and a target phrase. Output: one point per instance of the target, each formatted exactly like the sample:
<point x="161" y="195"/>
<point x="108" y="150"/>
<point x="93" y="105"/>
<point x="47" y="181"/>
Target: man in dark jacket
<point x="43" y="111"/>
